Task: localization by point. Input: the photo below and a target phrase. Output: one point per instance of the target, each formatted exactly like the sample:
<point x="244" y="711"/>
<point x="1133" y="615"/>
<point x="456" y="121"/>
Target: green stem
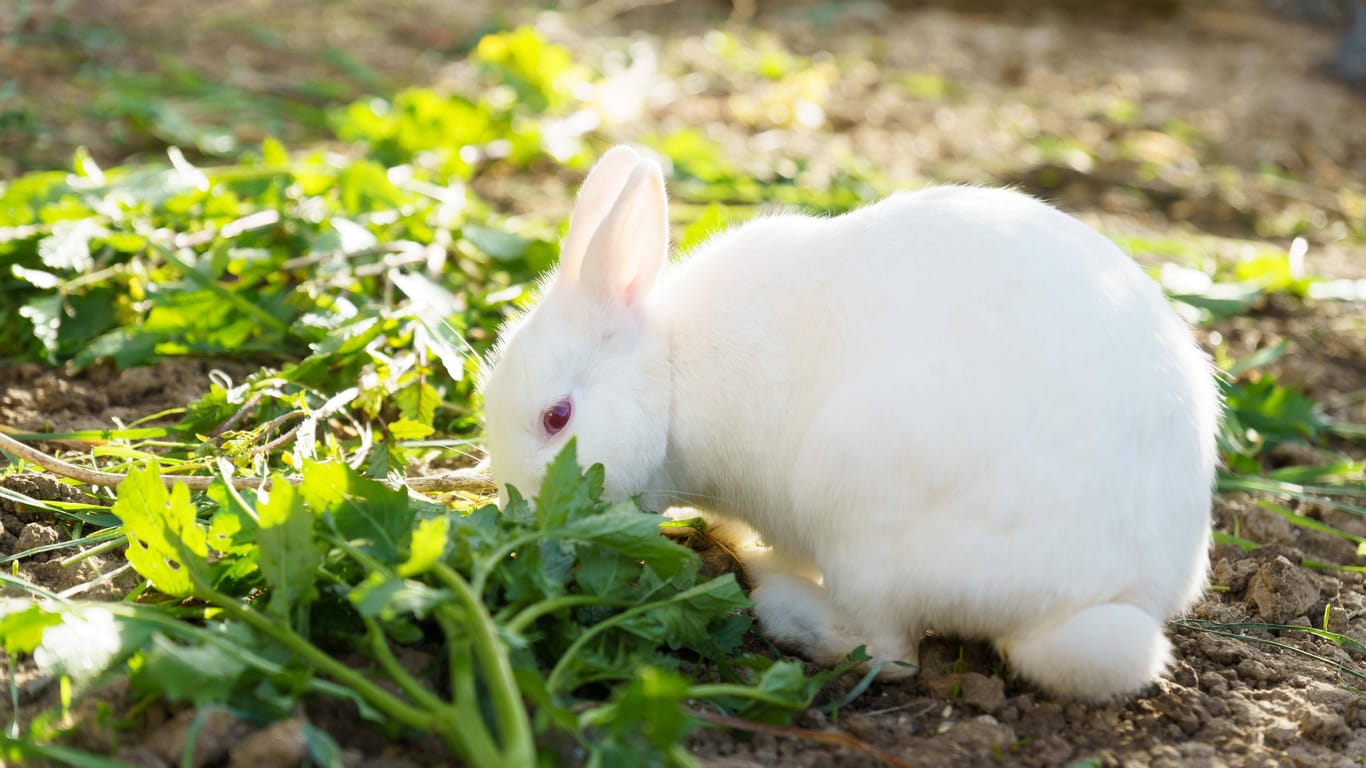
<point x="13" y="730"/>
<point x="192" y="735"/>
<point x="376" y="696"/>
<point x="460" y="727"/>
<point x="93" y="277"/>
<point x="379" y="644"/>
<point x="1347" y="429"/>
<point x="464" y="683"/>
<point x="718" y="690"/>
<point x="187" y="631"/>
<point x="535" y="611"/>
<point x="680" y="757"/>
<point x="519" y="748"/>
<point x="98" y="549"/>
<point x="473" y="740"/>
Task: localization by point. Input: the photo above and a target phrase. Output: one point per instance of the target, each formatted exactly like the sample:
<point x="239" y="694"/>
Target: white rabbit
<point x="957" y="409"/>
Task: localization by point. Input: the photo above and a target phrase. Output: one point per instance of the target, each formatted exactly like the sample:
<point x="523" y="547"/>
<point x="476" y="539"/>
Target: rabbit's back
<point x="1003" y="403"/>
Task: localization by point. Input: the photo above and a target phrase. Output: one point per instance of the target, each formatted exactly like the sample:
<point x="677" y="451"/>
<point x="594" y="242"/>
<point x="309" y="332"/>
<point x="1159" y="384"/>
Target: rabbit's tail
<point x="1104" y="651"/>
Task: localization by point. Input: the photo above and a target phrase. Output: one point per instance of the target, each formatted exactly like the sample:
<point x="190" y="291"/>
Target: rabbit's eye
<point x="556" y="417"/>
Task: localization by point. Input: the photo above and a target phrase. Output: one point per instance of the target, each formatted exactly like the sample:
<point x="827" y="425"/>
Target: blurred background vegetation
<point x="1204" y="136"/>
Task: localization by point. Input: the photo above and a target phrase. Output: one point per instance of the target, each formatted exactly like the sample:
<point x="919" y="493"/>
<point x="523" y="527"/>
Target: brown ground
<point x="1210" y="120"/>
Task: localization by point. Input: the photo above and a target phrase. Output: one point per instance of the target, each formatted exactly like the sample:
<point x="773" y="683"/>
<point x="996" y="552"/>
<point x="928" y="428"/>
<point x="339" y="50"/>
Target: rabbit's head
<point x="588" y="361"/>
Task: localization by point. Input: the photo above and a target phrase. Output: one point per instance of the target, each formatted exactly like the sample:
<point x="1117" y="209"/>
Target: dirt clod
<point x="218" y="732"/>
<point x="278" y="745"/>
<point x="142" y="757"/>
<point x="1282" y="591"/>
<point x="37" y="535"/>
<point x="984" y="693"/>
<point x="1233" y="574"/>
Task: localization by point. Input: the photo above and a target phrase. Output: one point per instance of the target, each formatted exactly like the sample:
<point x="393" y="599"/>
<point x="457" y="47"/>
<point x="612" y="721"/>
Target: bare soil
<point x="1193" y="120"/>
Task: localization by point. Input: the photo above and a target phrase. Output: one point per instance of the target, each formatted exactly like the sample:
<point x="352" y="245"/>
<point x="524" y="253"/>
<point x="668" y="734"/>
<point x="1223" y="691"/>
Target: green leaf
<point x="127" y="346"/>
<point x="785" y="679"/>
<point x="1247" y="545"/>
<point x="623" y="527"/>
<point x="165" y="543"/>
<point x="1273" y="271"/>
<point x="23" y="752"/>
<point x="543" y="74"/>
<point x="1278" y="413"/>
<point x="1259" y="359"/>
<point x="608" y="574"/>
<point x="68" y="247"/>
<point x="649" y="707"/>
<point x="1230" y="305"/>
<point x="323" y="751"/>
<point x="555" y="563"/>
<point x="200" y="674"/>
<point x="428" y="546"/>
<point x="683" y="619"/>
<point x="273" y="152"/>
<point x="374" y="517"/>
<point x="407" y="429"/>
<point x="417" y="403"/>
<point x="232" y="531"/>
<point x="45" y="313"/>
<point x="1308" y="522"/>
<point x="694" y="154"/>
<point x="365" y="187"/>
<point x="22" y="625"/>
<point x="565" y="492"/>
<point x="289" y="556"/>
<point x="388" y="598"/>
<point x="496" y="243"/>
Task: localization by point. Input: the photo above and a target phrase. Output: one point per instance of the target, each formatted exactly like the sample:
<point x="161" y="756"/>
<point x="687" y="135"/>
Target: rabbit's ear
<point x="626" y="253"/>
<point x="596" y="196"/>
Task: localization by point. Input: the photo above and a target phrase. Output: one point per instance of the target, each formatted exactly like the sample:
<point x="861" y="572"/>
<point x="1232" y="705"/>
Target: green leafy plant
<point x="514" y="608"/>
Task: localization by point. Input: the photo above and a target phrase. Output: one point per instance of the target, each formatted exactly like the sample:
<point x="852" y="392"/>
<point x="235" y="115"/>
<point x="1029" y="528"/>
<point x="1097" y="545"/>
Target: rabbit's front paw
<point x="796" y="613"/>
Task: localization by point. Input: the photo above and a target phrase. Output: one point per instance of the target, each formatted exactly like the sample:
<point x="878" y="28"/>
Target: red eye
<point x="556" y="417"/>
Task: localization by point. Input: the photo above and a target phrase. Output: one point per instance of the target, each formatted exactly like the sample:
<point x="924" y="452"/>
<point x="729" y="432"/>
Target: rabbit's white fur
<point x="957" y="408"/>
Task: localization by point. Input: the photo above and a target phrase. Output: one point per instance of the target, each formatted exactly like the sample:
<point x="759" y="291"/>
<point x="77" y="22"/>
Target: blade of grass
<point x="1211" y="628"/>
<point x="1342" y="640"/>
<point x="1309" y="523"/>
<point x="1261" y="484"/>
<point x="1247" y="545"/>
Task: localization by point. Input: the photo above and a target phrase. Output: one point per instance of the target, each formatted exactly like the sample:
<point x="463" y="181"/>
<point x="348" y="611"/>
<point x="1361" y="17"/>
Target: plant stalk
<point x="519" y="748"/>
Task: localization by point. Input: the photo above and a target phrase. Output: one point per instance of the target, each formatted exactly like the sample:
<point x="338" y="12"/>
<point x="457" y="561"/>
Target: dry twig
<point x="109" y="479"/>
<point x="471" y="480"/>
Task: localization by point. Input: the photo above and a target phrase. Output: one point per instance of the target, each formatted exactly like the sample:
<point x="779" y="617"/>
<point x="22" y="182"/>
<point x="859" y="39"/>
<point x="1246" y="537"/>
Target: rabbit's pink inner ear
<point x="625" y="255"/>
<point x="599" y="191"/>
